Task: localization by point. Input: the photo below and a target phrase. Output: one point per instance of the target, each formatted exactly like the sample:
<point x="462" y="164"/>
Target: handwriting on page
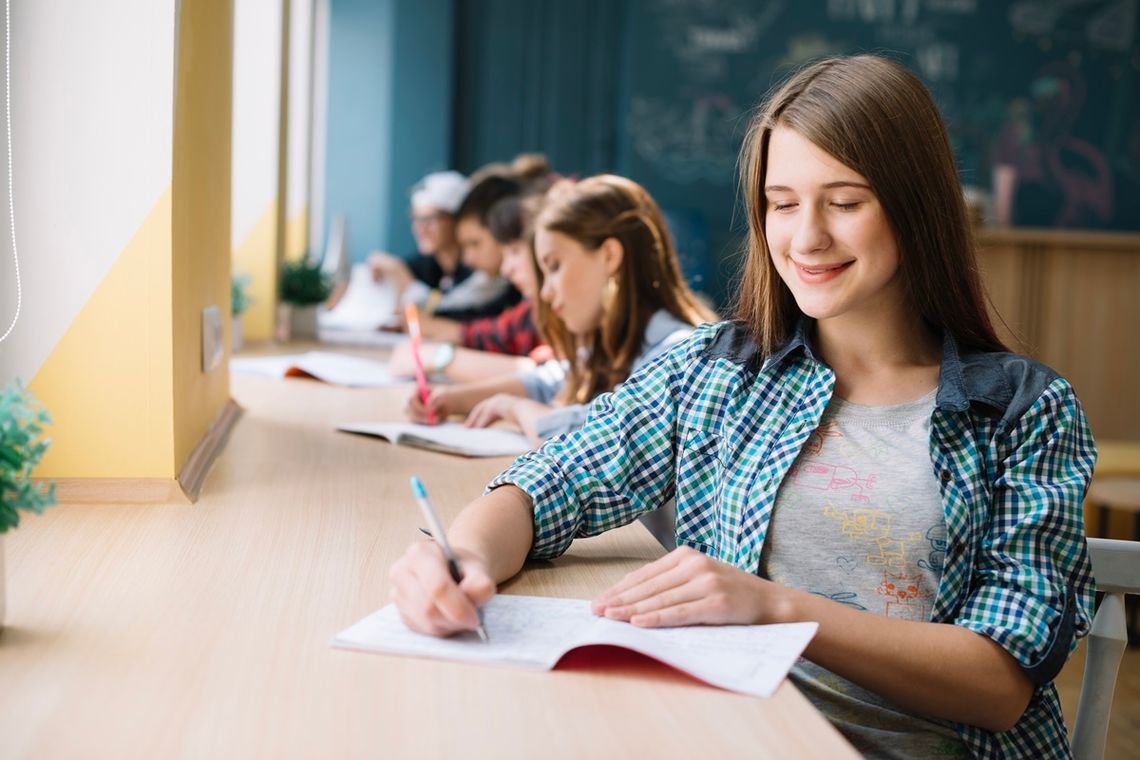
<point x="534" y="632"/>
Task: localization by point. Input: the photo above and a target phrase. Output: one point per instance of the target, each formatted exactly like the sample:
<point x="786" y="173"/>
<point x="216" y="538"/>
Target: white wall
<point x="92" y="104"/>
<point x="256" y="114"/>
<point x="300" y="107"/>
<point x="319" y="106"/>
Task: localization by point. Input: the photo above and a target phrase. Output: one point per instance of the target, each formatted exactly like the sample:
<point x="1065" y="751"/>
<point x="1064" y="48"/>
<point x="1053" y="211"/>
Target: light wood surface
<point x="202" y="631"/>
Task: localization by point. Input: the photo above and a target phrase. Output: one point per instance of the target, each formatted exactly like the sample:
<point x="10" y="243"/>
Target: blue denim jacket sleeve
<point x="1031" y="589"/>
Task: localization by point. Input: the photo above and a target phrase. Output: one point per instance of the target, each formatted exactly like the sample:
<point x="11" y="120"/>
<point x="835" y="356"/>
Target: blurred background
<point x="162" y="149"/>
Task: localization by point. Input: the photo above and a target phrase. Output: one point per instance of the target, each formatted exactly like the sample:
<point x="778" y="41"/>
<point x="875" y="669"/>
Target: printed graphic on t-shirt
<point x="851" y="496"/>
<point x="859" y="520"/>
<point x="873" y="527"/>
<point x="824" y="476"/>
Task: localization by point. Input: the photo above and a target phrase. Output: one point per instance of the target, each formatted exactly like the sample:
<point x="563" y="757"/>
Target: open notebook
<point x="338" y="369"/>
<point x="535" y="632"/>
<point x="449" y="438"/>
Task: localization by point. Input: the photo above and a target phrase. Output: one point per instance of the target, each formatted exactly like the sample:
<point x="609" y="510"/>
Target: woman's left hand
<point x="686" y="587"/>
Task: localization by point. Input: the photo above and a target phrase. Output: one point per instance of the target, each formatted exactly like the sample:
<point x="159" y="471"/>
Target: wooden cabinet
<point x="1072" y="301"/>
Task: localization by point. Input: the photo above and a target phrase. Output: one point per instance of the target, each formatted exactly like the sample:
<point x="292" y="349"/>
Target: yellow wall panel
<point x="201" y="215"/>
<point x="257" y="257"/>
<point x="108" y="383"/>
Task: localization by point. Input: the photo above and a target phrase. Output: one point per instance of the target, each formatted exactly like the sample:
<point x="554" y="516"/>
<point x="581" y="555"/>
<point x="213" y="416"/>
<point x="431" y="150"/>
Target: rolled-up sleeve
<point x="618" y="465"/>
<point x="1032" y="587"/>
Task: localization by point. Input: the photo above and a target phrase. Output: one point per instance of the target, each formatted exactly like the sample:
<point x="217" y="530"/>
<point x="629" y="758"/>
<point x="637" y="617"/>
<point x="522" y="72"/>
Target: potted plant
<point x="303" y="287"/>
<point x="21" y="448"/>
<point x="239" y="302"/>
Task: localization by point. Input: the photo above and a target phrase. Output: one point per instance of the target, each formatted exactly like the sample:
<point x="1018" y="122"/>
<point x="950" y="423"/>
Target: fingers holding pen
<point x="435" y="409"/>
<point x="429" y="600"/>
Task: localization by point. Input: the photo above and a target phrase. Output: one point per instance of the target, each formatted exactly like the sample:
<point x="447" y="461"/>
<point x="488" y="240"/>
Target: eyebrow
<point x="828" y="186"/>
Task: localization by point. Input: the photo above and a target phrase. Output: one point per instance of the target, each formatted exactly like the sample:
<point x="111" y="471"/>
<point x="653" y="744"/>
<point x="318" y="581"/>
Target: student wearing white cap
<point x="437" y="266"/>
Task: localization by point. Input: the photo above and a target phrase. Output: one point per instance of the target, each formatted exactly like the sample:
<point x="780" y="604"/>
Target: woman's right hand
<point x="438" y="402"/>
<point x="428" y="600"/>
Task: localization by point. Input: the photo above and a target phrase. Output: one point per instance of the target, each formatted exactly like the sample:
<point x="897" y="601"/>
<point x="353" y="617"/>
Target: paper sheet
<point x="365" y="305"/>
<point x="338" y="369"/>
<point x="534" y="632"/>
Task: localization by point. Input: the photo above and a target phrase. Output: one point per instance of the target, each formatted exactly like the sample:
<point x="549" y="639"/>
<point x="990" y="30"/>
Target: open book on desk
<point x="337" y="369"/>
<point x="449" y="438"/>
<point x="534" y="632"/>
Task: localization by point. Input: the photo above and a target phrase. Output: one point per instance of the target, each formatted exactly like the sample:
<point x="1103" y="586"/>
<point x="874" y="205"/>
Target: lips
<point x="820" y="273"/>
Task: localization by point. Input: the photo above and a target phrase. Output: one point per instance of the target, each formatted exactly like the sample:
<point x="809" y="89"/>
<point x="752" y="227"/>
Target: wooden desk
<point x="203" y="631"/>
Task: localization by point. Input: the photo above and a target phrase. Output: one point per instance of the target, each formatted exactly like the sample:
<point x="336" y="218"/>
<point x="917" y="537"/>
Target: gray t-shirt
<point x="858" y="520"/>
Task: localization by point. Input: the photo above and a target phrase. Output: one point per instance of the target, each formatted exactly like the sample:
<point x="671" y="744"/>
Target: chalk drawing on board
<point x="687" y="141"/>
<point x="1112" y="27"/>
<point x="1048" y="158"/>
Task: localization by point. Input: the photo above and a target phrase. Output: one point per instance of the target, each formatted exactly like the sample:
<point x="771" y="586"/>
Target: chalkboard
<point x="1046" y="86"/>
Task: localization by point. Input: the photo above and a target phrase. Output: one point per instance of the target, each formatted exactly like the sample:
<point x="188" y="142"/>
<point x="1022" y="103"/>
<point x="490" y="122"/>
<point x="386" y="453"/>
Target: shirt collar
<point x="801" y="340"/>
<point x="952" y="395"/>
<point x="952" y="392"/>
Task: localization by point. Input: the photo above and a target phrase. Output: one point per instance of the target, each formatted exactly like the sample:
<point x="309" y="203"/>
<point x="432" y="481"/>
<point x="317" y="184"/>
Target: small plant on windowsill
<point x="22" y="422"/>
<point x="303" y="287"/>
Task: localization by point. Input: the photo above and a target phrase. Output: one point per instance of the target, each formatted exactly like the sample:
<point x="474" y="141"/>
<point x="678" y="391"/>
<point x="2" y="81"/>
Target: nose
<point x="811" y="233"/>
<point x="547" y="292"/>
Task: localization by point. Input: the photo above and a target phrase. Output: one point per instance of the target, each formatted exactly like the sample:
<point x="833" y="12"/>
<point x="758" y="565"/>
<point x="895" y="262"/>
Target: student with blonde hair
<point x="858" y="450"/>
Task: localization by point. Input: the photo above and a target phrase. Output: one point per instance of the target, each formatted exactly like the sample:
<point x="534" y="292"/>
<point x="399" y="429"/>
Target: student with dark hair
<point x="513" y="331"/>
<point x="485" y="293"/>
<point x="858" y="450"/>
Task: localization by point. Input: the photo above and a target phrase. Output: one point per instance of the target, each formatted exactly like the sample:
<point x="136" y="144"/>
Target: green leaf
<point x="22" y="422"/>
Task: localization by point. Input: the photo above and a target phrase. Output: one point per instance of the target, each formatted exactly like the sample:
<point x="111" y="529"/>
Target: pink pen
<point x="412" y="316"/>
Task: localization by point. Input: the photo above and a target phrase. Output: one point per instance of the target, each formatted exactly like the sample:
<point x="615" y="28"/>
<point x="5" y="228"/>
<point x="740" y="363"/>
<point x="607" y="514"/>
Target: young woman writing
<point x="857" y="450"/>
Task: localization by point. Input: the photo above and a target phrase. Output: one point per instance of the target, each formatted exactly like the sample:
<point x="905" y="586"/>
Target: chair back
<point x="1116" y="568"/>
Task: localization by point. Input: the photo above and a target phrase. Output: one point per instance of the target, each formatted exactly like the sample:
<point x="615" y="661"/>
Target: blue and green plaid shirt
<point x="716" y="425"/>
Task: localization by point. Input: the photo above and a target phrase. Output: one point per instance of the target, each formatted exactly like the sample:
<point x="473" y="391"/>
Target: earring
<point x="609" y="297"/>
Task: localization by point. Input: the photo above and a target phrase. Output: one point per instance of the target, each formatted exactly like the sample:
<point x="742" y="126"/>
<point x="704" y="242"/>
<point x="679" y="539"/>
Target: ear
<point x="613" y="251"/>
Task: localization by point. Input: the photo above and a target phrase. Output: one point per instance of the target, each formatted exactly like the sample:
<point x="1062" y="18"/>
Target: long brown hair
<point x="877" y="118"/>
<point x="649" y="280"/>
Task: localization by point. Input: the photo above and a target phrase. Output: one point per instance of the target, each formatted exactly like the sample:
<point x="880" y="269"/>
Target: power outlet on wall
<point x="212" y="341"/>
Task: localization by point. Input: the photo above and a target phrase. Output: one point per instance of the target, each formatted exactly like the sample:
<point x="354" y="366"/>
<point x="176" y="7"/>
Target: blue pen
<point x="437" y="533"/>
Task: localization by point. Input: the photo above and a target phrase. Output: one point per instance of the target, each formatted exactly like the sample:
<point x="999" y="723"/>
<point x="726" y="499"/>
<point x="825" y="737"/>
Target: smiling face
<point x="574" y="279"/>
<point x="480" y="251"/>
<point x="827" y="233"/>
